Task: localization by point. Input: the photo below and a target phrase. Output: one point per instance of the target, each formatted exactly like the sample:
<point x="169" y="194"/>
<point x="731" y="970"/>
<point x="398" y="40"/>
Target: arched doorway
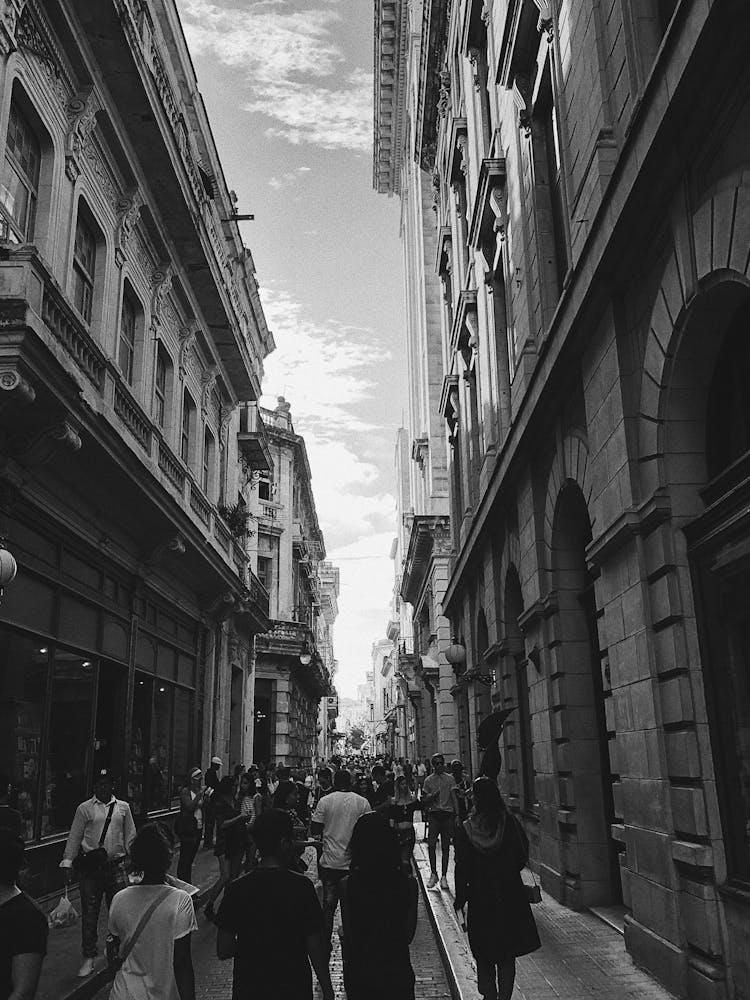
<point x="719" y="542"/>
<point x="523" y="742"/>
<point x="591" y="856"/>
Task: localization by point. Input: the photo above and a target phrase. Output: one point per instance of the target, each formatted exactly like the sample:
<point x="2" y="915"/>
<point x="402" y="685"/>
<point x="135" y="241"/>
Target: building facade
<point x="295" y="662"/>
<point x="131" y="331"/>
<point x="582" y="171"/>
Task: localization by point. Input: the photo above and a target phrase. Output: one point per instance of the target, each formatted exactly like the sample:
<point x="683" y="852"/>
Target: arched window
<point x="187" y="432"/>
<point x="19" y="189"/>
<point x="209" y="461"/>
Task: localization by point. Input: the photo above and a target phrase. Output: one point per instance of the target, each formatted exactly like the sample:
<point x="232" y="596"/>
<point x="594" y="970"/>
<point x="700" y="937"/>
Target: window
<point x="555" y="174"/>
<point x="207" y="472"/>
<point x="20" y="180"/>
<point x="23" y="686"/>
<point x="264" y="488"/>
<point x="84" y="268"/>
<point x="265" y="570"/>
<point x="127" y="338"/>
<point x="186" y="434"/>
<point x="160" y="389"/>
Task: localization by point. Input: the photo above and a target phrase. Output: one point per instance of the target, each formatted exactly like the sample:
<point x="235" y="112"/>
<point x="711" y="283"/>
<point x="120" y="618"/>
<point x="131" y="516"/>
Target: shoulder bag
<point x="115" y="957"/>
<point x="92" y="862"/>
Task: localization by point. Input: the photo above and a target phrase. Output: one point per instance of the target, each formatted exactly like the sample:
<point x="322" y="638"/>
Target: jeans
<point x="331" y="879"/>
<point x="188" y="850"/>
<point x="106" y="882"/>
<point x="439" y="825"/>
<point x="495" y="980"/>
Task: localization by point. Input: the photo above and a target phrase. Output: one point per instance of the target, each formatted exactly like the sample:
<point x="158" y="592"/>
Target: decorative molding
<point x="14" y="387"/>
<point x="128" y="211"/>
<point x="444" y="100"/>
<point x="161" y="285"/>
<point x="208" y="381"/>
<point x="187" y="341"/>
<point x="522" y="106"/>
<point x="32" y="451"/>
<point x="81" y="111"/>
<point x="545" y="22"/>
<point x="10" y="12"/>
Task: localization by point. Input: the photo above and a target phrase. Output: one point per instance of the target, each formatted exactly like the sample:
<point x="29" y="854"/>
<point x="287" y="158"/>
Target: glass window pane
<point x="141" y="722"/>
<point x="23" y="684"/>
<point x="14" y="196"/>
<point x="181" y="758"/>
<point x="161" y="741"/>
<point x="68" y="757"/>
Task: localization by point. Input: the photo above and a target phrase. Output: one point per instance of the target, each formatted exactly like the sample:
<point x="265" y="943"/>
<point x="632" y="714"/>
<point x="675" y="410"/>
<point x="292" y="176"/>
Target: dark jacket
<point x="488" y="878"/>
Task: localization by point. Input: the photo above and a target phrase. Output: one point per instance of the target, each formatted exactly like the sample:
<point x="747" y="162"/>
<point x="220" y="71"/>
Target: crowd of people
<point x="292" y="846"/>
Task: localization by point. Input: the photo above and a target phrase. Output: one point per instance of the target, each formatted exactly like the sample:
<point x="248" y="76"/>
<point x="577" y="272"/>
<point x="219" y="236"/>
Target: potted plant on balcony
<point x="236" y="517"/>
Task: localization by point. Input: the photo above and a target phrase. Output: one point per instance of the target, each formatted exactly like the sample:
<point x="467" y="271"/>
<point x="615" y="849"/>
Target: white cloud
<point x="327" y="373"/>
<point x="294" y="68"/>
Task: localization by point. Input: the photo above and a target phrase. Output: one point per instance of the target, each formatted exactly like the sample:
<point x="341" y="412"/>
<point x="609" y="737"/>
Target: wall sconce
<point x="8" y="567"/>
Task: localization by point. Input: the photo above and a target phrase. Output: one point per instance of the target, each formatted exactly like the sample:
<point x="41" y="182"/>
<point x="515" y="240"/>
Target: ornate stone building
<point x="295" y="661"/>
<point x="130" y="331"/>
<point x="581" y="171"/>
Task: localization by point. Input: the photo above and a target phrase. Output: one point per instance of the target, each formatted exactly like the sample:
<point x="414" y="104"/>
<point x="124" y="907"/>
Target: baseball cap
<point x="196" y="773"/>
<point x="216" y="760"/>
<point x="103" y="774"/>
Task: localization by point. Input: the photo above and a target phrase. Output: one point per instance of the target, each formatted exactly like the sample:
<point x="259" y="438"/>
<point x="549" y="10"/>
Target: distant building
<point x="295" y="662"/>
<point x="132" y="340"/>
<point x="573" y="179"/>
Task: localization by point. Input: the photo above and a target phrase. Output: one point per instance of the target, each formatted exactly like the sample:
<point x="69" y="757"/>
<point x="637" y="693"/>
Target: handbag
<point x="115" y="957"/>
<point x="88" y="863"/>
<point x="64" y="914"/>
<point x="533" y="892"/>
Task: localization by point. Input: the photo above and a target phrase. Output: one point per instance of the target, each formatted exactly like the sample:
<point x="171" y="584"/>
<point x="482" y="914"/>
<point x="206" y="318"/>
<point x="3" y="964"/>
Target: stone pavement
<point x="581" y="956"/>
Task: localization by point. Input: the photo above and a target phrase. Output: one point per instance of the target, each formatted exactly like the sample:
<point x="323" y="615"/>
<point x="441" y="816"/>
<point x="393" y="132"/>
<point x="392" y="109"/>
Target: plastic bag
<point x="64" y="913"/>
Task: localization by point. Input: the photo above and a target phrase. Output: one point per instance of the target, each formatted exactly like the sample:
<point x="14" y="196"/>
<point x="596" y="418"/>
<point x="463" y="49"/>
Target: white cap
<point x="217" y="760"/>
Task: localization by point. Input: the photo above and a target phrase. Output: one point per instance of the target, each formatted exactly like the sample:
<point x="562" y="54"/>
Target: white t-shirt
<point x="338" y="812"/>
<point x="148" y="971"/>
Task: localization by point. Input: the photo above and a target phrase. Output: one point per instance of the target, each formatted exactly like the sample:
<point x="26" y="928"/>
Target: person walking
<point x="462" y="792"/>
<point x="334" y="819"/>
<point x="403" y="806"/>
<point x="491" y="850"/>
<point x="379" y="915"/>
<point x="439" y="801"/>
<point x="189" y="824"/>
<point x="270" y="922"/>
<point x="23" y="927"/>
<point x="96" y="850"/>
<point x="212" y="778"/>
<point x="231" y="827"/>
<point x="151" y="923"/>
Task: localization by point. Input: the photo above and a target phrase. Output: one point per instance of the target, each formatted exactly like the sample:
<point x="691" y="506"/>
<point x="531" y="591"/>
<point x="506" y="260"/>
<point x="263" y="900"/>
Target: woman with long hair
<point x="379" y="915"/>
<point x="491" y="850"/>
<point x="166" y="918"/>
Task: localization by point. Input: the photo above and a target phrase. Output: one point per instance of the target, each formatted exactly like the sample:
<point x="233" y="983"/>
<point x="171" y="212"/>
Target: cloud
<point x="294" y="69"/>
<point x="287" y="178"/>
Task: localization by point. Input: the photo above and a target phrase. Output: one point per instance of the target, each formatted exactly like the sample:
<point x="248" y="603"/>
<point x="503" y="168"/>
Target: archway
<point x="591" y="857"/>
<point x="519" y="682"/>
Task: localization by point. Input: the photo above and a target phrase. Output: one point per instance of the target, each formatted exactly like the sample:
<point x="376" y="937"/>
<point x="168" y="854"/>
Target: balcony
<point x="288" y="643"/>
<point x="430" y="535"/>
<point x="252" y="440"/>
<point x="50" y="350"/>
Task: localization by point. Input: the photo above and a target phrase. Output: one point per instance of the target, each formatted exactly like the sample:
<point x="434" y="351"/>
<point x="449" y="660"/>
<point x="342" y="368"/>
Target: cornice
<point x="390" y="62"/>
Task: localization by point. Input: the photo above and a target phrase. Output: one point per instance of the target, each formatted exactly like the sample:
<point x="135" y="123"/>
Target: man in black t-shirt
<point x="271" y="923"/>
<point x="23" y="927"/>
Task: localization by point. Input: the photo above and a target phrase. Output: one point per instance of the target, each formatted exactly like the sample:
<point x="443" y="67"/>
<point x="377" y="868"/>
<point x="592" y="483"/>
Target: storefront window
<point x="181" y="763"/>
<point x="139" y="743"/>
<point x="23" y="684"/>
<point x="69" y="742"/>
<point x="161" y="741"/>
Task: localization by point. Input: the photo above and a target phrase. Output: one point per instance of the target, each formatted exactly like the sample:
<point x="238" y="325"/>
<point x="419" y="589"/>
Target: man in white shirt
<point x="102" y="824"/>
<point x="335" y="816"/>
<point x="439" y="800"/>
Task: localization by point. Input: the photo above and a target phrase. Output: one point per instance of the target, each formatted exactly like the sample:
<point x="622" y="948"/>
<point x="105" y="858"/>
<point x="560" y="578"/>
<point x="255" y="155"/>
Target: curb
<point x="455" y="959"/>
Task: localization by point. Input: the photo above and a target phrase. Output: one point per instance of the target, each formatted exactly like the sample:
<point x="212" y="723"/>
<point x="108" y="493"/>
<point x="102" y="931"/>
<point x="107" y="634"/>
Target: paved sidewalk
<point x="63" y="959"/>
<point x="581" y="957"/>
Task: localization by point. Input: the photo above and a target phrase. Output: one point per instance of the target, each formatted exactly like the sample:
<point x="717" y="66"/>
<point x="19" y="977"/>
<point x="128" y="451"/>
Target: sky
<point x="288" y="89"/>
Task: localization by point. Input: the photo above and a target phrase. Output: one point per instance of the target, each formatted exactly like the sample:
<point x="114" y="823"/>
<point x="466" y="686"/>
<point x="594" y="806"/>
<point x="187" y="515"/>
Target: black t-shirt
<point x="271" y="911"/>
<point x="23" y="931"/>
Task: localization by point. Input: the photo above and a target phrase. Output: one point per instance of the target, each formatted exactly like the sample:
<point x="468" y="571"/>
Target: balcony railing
<point x="35" y="293"/>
